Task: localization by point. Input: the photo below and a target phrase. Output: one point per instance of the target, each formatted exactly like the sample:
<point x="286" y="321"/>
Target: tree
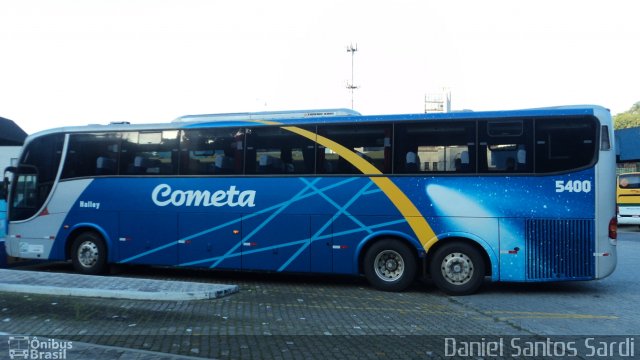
<point x="629" y="118"/>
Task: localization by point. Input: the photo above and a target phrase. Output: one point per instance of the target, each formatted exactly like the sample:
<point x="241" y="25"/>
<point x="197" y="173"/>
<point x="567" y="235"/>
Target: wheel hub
<point x="457" y="268"/>
<point x="88" y="254"/>
<point x="389" y="265"/>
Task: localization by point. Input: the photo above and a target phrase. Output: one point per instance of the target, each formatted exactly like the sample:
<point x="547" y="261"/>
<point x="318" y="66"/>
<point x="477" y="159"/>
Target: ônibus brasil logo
<point x="32" y="348"/>
<point x="163" y="195"/>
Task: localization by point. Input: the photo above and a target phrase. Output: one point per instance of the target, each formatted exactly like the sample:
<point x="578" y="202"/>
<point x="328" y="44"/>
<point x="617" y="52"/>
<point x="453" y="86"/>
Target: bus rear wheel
<point x="89" y="254"/>
<point x="390" y="265"/>
<point x="457" y="268"/>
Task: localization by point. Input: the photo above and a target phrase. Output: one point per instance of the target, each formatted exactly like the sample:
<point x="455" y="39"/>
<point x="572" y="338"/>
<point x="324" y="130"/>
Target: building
<point x="11" y="139"/>
<point x="438" y="102"/>
<point x="628" y="150"/>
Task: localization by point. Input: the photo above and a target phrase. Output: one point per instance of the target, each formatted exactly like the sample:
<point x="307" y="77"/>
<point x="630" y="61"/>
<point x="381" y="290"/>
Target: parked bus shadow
<point x="235" y="277"/>
<point x="338" y="281"/>
<point x="206" y="275"/>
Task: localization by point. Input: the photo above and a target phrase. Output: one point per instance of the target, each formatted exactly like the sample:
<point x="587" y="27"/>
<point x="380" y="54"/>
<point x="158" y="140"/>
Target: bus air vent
<point x="560" y="249"/>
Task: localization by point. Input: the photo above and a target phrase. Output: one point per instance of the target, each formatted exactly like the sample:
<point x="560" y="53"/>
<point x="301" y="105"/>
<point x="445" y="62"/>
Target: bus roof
<point x="268" y="115"/>
<point x="323" y="116"/>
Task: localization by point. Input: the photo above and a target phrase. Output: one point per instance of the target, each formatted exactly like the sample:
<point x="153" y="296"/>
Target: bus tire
<point x="457" y="268"/>
<point x="390" y="265"/>
<point x="89" y="254"/>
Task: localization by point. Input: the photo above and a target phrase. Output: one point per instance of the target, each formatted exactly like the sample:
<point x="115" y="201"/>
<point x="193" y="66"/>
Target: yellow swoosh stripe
<point x="412" y="215"/>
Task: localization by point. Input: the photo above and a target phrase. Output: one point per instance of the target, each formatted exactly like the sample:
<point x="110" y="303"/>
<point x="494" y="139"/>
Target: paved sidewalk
<point x="44" y="283"/>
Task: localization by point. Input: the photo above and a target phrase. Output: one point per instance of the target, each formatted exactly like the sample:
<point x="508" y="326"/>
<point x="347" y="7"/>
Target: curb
<point x="119" y="294"/>
<point x="113" y="287"/>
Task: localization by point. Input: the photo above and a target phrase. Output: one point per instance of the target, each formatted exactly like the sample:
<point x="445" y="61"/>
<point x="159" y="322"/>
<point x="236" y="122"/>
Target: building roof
<point x="10" y="133"/>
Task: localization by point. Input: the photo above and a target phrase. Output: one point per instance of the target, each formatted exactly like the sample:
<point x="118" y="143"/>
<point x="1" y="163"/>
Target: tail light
<point x="613" y="228"/>
<point x="605" y="143"/>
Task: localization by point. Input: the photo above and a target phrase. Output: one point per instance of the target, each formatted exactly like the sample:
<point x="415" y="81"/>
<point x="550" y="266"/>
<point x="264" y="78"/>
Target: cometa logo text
<point x="163" y="195"/>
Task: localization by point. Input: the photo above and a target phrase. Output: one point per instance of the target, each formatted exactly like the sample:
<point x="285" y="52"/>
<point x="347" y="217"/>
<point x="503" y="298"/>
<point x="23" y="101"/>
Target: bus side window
<point x="150" y="153"/>
<point x="503" y="146"/>
<point x="565" y="144"/>
<point x="211" y="151"/>
<point x="371" y="142"/>
<point x="442" y="147"/>
<point x="273" y="150"/>
<point x="92" y="154"/>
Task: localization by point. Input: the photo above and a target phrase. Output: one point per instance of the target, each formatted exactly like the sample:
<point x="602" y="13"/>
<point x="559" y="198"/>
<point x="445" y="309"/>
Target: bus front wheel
<point x="89" y="254"/>
<point x="457" y="268"/>
<point x="390" y="265"/>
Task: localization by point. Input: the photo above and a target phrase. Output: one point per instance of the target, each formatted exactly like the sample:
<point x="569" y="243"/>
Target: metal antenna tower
<point x="351" y="85"/>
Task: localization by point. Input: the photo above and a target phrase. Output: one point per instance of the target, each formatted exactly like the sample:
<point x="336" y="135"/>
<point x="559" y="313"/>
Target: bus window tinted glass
<point x="212" y="151"/>
<point x="504" y="128"/>
<point x="149" y="153"/>
<point x="435" y="147"/>
<point x="629" y="181"/>
<point x="505" y="146"/>
<point x="91" y="155"/>
<point x="370" y="142"/>
<point x="565" y="144"/>
<point x="273" y="150"/>
<point x="31" y="189"/>
<point x="44" y="153"/>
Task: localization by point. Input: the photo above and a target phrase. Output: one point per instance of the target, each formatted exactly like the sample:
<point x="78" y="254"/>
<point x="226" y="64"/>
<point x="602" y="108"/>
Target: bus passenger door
<point x="279" y="243"/>
<point x="210" y="240"/>
<point x="147" y="238"/>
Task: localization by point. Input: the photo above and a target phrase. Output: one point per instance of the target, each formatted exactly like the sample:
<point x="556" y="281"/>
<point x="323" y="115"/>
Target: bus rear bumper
<point x="606" y="261"/>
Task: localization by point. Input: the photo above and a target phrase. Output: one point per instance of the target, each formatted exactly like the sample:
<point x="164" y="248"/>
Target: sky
<point x="76" y="62"/>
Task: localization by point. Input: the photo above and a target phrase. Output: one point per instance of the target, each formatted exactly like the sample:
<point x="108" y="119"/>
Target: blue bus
<point x="519" y="196"/>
